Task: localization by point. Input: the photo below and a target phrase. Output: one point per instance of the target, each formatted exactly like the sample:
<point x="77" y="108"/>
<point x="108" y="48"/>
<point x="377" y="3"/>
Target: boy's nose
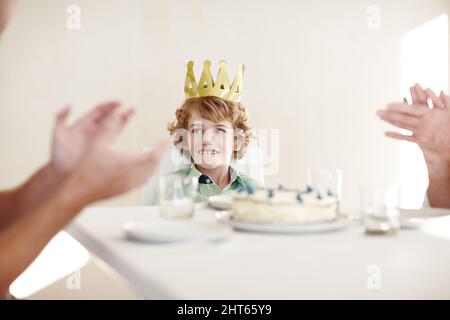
<point x="208" y="135"/>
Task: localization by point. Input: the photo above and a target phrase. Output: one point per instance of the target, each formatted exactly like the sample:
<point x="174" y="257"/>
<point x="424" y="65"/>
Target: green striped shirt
<point x="207" y="187"/>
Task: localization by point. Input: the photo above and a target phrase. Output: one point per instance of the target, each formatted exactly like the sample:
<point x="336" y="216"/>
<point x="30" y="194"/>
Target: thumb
<point x="61" y="117"/>
<point x="434" y="99"/>
<point x="445" y="99"/>
<point x="155" y="155"/>
<point x="149" y="161"/>
<point x="60" y="120"/>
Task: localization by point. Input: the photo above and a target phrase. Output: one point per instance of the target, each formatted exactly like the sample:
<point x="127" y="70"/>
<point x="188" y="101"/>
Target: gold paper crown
<point x="207" y="87"/>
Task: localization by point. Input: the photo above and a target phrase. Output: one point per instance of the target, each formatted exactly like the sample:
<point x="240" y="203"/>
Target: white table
<point x="346" y="264"/>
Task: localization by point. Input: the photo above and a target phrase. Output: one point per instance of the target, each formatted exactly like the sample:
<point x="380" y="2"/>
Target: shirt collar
<point x="234" y="175"/>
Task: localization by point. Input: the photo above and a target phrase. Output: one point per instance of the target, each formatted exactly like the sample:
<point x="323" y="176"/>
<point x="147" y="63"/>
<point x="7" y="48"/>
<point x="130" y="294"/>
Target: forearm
<point x="21" y="242"/>
<point x="439" y="182"/>
<point x="17" y="202"/>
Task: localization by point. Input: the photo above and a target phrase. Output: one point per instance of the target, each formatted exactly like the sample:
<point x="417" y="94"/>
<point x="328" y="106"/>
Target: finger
<point x="435" y="99"/>
<point x="398" y="136"/>
<point x="414" y="97"/>
<point x="60" y="121"/>
<point x="400" y="120"/>
<point x="142" y="166"/>
<point x="127" y="115"/>
<point x="61" y="117"/>
<point x="105" y="111"/>
<point x="97" y="114"/>
<point x="406" y="109"/>
<point x="421" y="95"/>
<point x="120" y="121"/>
<point x="154" y="156"/>
<point x="113" y="124"/>
<point x="445" y="99"/>
<point x="149" y="161"/>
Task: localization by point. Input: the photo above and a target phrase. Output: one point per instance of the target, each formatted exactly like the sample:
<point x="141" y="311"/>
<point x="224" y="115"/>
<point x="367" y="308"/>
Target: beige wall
<point x="314" y="70"/>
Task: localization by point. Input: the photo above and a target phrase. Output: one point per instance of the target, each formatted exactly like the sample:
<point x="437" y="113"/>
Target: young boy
<point x="211" y="129"/>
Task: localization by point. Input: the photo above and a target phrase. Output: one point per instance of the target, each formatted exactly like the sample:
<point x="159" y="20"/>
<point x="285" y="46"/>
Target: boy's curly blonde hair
<point x="214" y="109"/>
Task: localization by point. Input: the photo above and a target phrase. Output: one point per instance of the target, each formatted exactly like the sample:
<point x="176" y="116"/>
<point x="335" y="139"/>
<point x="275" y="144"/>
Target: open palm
<point x="429" y="126"/>
<point x="70" y="143"/>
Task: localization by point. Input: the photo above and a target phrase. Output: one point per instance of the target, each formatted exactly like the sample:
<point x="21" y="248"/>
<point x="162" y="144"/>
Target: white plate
<point x="173" y="230"/>
<point x="340" y="223"/>
<point x="222" y="202"/>
<point x="417" y="218"/>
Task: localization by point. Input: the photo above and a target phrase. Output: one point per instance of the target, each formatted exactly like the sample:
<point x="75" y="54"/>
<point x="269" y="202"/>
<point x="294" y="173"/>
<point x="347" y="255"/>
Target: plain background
<point x="315" y="70"/>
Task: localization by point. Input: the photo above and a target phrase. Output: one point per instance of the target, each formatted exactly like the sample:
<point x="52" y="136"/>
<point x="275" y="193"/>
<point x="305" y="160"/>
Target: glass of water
<point x="380" y="209"/>
<point x="176" y="196"/>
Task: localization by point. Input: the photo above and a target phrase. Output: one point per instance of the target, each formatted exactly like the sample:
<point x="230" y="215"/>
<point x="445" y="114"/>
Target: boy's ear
<point x="239" y="138"/>
<point x="237" y="145"/>
<point x="184" y="145"/>
<point x="182" y="137"/>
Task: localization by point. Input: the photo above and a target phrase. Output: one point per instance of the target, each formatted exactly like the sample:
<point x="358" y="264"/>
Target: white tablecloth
<point x="346" y="264"/>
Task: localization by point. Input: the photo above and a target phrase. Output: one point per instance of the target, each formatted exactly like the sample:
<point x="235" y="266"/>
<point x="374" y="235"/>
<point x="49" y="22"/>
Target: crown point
<point x="208" y="87"/>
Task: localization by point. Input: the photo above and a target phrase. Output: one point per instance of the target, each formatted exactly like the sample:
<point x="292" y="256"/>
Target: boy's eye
<point x="221" y="130"/>
<point x="196" y="130"/>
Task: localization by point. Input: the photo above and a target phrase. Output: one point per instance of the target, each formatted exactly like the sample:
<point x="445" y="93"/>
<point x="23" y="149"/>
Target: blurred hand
<point x="33" y="213"/>
<point x="84" y="153"/>
<point x="70" y="143"/>
<point x="104" y="172"/>
<point x="430" y="127"/>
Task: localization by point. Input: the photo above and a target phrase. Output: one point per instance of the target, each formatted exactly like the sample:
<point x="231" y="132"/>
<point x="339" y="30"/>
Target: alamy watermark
<point x="373" y="281"/>
<point x="373" y="19"/>
<point x="74" y="17"/>
<point x="73" y="281"/>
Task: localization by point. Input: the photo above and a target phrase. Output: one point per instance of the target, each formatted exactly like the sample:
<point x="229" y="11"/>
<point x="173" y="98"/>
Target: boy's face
<point x="211" y="144"/>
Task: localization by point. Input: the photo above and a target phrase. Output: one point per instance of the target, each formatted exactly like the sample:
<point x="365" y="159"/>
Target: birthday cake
<point x="284" y="206"/>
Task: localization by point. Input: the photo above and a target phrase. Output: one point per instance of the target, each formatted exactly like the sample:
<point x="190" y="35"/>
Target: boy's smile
<point x="210" y="156"/>
<point x="209" y="152"/>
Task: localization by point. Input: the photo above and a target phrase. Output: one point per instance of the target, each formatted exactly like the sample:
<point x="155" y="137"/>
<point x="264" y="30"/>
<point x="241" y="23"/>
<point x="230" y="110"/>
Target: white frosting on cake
<point x="283" y="206"/>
